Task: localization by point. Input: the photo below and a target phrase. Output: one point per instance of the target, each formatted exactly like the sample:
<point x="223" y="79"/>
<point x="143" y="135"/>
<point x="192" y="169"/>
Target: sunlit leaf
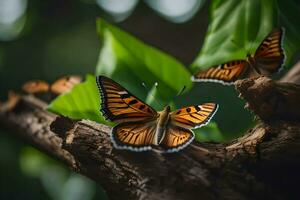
<point x="131" y="62"/>
<point x="236" y="28"/>
<point x="82" y="102"/>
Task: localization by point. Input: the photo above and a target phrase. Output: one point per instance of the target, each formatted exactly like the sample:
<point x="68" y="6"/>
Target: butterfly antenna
<point x="150" y="93"/>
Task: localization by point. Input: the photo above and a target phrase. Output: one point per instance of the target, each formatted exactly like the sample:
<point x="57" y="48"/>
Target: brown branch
<point x="201" y="170"/>
<point x="263" y="163"/>
<point x="271" y="100"/>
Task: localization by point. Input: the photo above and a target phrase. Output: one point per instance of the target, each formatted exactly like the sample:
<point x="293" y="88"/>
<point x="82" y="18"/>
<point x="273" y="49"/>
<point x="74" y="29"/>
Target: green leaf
<point x="238" y="27"/>
<point x="82" y="102"/>
<point x="131" y="62"/>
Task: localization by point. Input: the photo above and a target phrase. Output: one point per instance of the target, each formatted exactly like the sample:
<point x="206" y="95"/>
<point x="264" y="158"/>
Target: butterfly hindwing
<point x="270" y="54"/>
<point x="194" y="116"/>
<point x="225" y="73"/>
<point x="176" y="138"/>
<point x="119" y="105"/>
<point x="136" y="136"/>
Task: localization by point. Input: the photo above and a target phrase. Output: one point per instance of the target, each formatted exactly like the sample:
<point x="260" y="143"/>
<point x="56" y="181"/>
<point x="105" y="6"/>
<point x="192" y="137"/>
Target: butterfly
<point x="268" y="59"/>
<point x="140" y="127"/>
<point x="62" y="85"/>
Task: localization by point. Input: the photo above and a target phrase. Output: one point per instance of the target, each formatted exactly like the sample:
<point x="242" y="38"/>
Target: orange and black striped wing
<point x="176" y="138"/>
<point x="194" y="116"/>
<point x="65" y="84"/>
<point x="119" y="105"/>
<point x="135" y="136"/>
<point x="269" y="57"/>
<point x="226" y="73"/>
<point x="35" y="86"/>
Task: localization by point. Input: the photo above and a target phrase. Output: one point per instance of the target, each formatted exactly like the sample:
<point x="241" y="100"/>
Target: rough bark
<point x="263" y="164"/>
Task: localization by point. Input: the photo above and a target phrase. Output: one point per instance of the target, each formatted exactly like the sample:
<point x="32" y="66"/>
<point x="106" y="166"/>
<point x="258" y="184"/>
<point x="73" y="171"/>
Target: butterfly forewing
<point x="35" y="86"/>
<point x="65" y="84"/>
<point x="225" y="73"/>
<point x="118" y="104"/>
<point x="136" y="136"/>
<point x="176" y="138"/>
<point x="194" y="116"/>
<point x="270" y="54"/>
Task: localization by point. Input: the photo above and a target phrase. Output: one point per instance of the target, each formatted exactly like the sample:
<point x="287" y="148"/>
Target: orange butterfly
<point x="62" y="85"/>
<point x="268" y="59"/>
<point x="141" y="127"/>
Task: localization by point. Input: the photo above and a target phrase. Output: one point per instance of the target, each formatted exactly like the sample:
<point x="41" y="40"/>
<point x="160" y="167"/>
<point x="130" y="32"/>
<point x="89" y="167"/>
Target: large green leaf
<point x="82" y="102"/>
<point x="131" y="62"/>
<point x="236" y="28"/>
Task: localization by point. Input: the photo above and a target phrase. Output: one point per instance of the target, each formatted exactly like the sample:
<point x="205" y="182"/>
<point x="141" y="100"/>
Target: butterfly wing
<point x="135" y="136"/>
<point x="119" y="105"/>
<point x="176" y="138"/>
<point x="65" y="84"/>
<point x="269" y="57"/>
<point x="194" y="116"/>
<point x="225" y="73"/>
<point x="35" y="86"/>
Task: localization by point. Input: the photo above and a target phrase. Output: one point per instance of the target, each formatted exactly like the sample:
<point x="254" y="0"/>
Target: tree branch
<point x="242" y="169"/>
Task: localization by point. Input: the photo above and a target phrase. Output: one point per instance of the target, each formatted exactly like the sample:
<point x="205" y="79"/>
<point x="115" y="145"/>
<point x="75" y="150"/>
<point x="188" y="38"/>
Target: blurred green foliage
<point x="59" y="182"/>
<point x="45" y="177"/>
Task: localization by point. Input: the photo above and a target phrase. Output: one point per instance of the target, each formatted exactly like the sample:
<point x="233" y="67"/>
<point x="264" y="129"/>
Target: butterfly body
<point x="162" y="123"/>
<point x="141" y="128"/>
<point x="268" y="59"/>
